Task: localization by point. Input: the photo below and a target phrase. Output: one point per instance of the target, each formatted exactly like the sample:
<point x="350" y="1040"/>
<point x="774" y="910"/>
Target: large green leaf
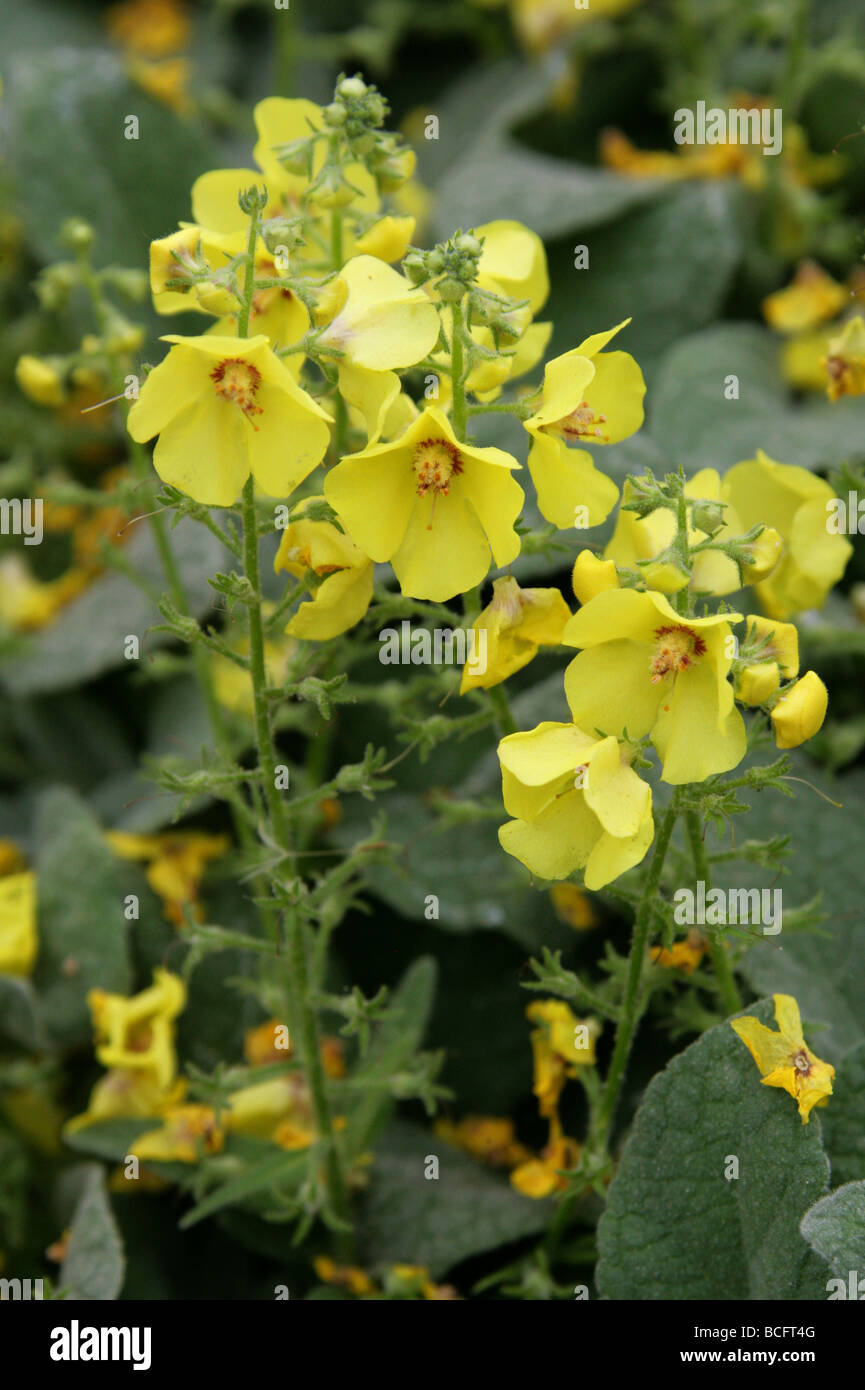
<point x="675" y="1227"/>
<point x="66" y="112"/>
<point x="844" y="1119"/>
<point x="82" y="929"/>
<point x="666" y="266"/>
<point x="437" y="1222"/>
<point x="835" y="1228"/>
<point x="824" y="971"/>
<point x="493" y="176"/>
<point x="94" y="1264"/>
<point x="87" y="638"/>
<point x="689" y="415"/>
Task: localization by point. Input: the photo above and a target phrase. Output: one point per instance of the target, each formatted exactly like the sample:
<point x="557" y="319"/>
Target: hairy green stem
<point x="730" y="995"/>
<point x="459" y="408"/>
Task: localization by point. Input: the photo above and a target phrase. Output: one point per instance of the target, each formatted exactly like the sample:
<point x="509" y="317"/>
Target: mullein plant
<point x="329" y="402"/>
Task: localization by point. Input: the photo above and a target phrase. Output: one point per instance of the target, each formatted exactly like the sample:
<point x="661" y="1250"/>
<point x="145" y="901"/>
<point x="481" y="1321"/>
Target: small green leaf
<point x="94" y="1265"/>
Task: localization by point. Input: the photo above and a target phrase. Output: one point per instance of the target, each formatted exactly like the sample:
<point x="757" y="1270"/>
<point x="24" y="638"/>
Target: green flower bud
<point x="708" y="517"/>
<point x="76" y="234"/>
<point x="450" y="291"/>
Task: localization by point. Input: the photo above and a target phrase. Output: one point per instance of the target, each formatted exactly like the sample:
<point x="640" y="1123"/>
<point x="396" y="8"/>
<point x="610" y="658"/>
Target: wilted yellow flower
<point x="175" y="861"/>
<point x="137" y="1034"/>
<point x="509" y="631"/>
<point x="343" y="596"/>
<point x="19" y="942"/>
<point x="783" y="1057"/>
<point x="810" y="299"/>
<point x="541" y="1177"/>
<point x="150" y="27"/>
<point x="187" y="1133"/>
<point x="122" y="1093"/>
<point x="268" y="1042"/>
<point x="683" y="955"/>
<point x="261" y="1108"/>
<point x="573" y="906"/>
<point x="348" y="1277"/>
<point x="490" y="1138"/>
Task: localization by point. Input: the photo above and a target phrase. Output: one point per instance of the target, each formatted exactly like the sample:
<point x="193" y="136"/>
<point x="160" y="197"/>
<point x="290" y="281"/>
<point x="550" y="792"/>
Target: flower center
<point x="582" y="423"/>
<point x="802" y="1062"/>
<point x="237" y="381"/>
<point x="435" y="462"/>
<point x="676" y="649"/>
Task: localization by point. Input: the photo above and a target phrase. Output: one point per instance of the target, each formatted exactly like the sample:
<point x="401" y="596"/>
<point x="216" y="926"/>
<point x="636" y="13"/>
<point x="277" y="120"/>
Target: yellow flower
<point x="800" y="711"/>
<point x="224" y="408"/>
<point x="388" y="239"/>
<point x="573" y="906"/>
<point x="592" y="575"/>
<point x="175" y="864"/>
<point x="385" y="322"/>
<point x="777" y="655"/>
<point x="783" y="1057"/>
<point x="646" y="670"/>
<point x="150" y="27"/>
<point x="346" y="572"/>
<point x="810" y="299"/>
<point x="488" y="1137"/>
<point x="39" y="380"/>
<point x="513" y="262"/>
<point x="509" y="631"/>
<point x="19" y="942"/>
<point x="793" y="502"/>
<point x="845" y="361"/>
<point x="430" y="504"/>
<point x="684" y="955"/>
<point x="138" y="1033"/>
<point x="187" y="1133"/>
<point x="592" y="397"/>
<point x="577" y="803"/>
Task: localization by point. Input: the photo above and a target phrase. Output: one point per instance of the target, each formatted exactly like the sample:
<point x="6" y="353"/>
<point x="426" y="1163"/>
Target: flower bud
<point x="393" y="172"/>
<point x="765" y="552"/>
<point x="449" y="290"/>
<point x="664" y="576"/>
<point x="252" y="200"/>
<point x="55" y="284"/>
<point x="351" y="88"/>
<point x="329" y="301"/>
<point x="285" y="232"/>
<point x="331" y="190"/>
<point x="76" y="234"/>
<point x="800" y="711"/>
<point x="39" y="380"/>
<point x="592" y="576"/>
<point x="296" y="157"/>
<point x="757" y="683"/>
<point x="782" y="645"/>
<point x="708" y="517"/>
<point x="334" y="114"/>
